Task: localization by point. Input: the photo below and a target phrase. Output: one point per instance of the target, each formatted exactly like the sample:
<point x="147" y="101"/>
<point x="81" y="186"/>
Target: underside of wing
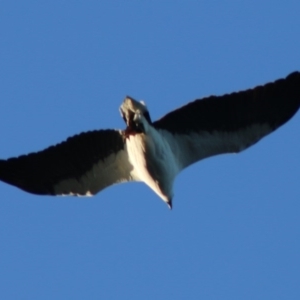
<point x="229" y="123"/>
<point x="82" y="165"/>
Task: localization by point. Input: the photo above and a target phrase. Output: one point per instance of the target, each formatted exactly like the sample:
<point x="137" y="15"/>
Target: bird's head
<point x="135" y="115"/>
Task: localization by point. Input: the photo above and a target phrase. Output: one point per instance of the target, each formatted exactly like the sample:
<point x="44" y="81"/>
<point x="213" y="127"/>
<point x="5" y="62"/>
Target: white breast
<point x="153" y="162"/>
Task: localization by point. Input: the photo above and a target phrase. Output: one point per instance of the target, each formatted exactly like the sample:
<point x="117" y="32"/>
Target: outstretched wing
<point x="82" y="165"/>
<point x="229" y="123"/>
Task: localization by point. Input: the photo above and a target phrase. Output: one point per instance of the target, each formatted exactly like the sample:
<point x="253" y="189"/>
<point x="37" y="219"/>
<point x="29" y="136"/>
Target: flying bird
<point x="155" y="152"/>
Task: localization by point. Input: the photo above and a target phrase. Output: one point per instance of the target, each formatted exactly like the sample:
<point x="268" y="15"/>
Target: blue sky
<point x="65" y="67"/>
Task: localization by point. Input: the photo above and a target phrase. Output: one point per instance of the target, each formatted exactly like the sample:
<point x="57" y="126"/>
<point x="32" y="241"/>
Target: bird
<point x="155" y="152"/>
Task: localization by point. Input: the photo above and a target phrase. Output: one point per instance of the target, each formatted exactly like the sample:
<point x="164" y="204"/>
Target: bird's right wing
<point x="229" y="123"/>
<point x="82" y="165"/>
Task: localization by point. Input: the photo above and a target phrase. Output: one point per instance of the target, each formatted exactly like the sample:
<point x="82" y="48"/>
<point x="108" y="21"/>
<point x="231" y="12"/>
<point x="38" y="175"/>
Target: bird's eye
<point x="139" y="127"/>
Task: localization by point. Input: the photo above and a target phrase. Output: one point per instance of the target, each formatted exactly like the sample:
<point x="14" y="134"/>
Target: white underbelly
<point x="152" y="163"/>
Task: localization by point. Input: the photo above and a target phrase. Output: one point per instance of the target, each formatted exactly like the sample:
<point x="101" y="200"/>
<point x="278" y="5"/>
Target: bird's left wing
<point x="229" y="123"/>
<point x="82" y="165"/>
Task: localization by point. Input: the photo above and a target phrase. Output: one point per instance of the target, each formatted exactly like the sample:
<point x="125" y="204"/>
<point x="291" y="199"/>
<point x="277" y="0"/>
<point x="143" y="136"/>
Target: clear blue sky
<point x="65" y="67"/>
